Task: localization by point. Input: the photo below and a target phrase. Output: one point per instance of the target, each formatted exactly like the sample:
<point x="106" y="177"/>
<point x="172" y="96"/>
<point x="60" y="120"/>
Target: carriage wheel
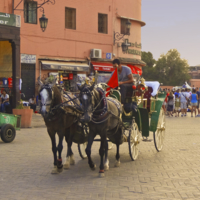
<point x="159" y="135"/>
<point x="81" y="150"/>
<point x="133" y="141"/>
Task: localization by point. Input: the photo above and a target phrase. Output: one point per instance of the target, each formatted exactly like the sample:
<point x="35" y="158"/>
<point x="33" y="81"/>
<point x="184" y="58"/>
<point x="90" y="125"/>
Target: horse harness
<point x="53" y="112"/>
<point x="102" y="115"/>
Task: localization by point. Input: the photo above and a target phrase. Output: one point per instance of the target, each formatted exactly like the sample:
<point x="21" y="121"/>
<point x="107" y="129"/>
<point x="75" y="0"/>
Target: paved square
<point x="173" y="173"/>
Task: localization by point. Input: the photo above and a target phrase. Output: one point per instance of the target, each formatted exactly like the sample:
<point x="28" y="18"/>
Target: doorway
<point x="28" y="80"/>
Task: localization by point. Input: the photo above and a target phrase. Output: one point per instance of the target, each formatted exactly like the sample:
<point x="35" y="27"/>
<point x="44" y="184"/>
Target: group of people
<point x="181" y="100"/>
<point x="5" y="101"/>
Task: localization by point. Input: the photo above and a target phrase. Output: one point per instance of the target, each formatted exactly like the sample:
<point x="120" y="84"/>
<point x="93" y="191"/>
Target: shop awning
<point x="70" y="66"/>
<point x="108" y="67"/>
<point x="135" y="70"/>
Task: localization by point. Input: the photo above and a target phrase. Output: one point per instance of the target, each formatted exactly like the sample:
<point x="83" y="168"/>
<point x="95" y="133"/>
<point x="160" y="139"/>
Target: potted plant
<point x="26" y="114"/>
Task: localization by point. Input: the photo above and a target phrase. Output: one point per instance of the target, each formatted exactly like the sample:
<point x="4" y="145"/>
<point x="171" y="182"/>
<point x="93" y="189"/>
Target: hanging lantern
<point x="43" y="22"/>
<point x="124" y="47"/>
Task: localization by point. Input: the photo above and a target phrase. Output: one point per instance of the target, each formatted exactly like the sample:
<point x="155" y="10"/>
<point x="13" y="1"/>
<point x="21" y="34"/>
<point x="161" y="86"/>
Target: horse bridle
<point x="51" y="95"/>
<point x="90" y="93"/>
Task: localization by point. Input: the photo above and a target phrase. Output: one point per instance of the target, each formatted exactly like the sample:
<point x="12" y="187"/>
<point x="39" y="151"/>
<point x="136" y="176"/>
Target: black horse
<point x="59" y="118"/>
<point x="103" y="116"/>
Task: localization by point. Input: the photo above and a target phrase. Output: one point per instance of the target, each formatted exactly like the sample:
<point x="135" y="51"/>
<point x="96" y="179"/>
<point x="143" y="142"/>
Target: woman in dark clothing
<point x="170" y="104"/>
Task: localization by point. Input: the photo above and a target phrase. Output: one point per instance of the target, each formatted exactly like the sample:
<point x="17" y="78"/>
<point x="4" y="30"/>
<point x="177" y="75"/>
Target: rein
<point x="52" y="110"/>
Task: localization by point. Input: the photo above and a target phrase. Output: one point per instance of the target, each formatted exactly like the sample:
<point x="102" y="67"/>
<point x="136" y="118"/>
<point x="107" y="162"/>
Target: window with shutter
<point x="30" y="12"/>
<point x="70" y="18"/>
<point x="102" y="23"/>
<point x="123" y="26"/>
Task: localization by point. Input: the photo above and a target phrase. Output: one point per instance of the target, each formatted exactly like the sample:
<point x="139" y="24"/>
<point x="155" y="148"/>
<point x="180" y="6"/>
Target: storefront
<point x="10" y="56"/>
<point x="67" y="73"/>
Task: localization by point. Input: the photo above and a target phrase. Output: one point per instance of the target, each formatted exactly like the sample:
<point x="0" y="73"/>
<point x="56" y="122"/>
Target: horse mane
<point x="57" y="99"/>
<point x="97" y="99"/>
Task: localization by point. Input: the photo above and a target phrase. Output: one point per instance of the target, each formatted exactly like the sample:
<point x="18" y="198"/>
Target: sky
<point x="172" y="24"/>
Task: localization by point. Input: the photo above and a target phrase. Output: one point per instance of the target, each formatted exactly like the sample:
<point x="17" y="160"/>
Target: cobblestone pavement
<point x="174" y="173"/>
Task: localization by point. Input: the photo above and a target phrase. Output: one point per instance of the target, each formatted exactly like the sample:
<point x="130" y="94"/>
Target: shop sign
<point x="133" y="51"/>
<point x="108" y="55"/>
<point x="10" y="19"/>
<point x="26" y="58"/>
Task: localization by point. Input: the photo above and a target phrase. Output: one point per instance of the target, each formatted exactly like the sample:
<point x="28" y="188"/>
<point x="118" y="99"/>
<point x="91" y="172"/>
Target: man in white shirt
<point x="184" y="96"/>
<point x="4" y="99"/>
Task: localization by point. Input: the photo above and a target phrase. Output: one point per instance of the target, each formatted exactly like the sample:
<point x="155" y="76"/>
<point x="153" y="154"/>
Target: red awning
<point x="108" y="67"/>
<point x="135" y="70"/>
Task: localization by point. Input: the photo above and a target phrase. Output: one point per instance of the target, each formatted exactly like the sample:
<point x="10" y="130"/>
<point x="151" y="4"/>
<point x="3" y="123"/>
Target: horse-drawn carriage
<point x="127" y="115"/>
<point x="142" y="113"/>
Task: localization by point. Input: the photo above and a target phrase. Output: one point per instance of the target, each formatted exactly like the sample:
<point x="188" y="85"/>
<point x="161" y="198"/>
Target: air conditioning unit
<point x="96" y="53"/>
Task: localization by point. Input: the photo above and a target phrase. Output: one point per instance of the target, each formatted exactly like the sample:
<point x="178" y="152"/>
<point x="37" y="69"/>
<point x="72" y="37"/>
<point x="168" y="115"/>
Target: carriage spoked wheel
<point x="159" y="135"/>
<point x="134" y="141"/>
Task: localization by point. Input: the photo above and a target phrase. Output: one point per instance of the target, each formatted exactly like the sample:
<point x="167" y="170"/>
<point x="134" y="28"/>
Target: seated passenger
<point x="32" y="103"/>
<point x="4" y="100"/>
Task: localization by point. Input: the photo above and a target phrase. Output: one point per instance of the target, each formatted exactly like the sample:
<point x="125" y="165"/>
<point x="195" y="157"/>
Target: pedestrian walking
<point x="164" y="103"/>
<point x="183" y="97"/>
<point x="194" y="102"/>
<point x="189" y="94"/>
<point x="198" y="95"/>
<point x="177" y="105"/>
<point x="174" y="101"/>
<point x="170" y="104"/>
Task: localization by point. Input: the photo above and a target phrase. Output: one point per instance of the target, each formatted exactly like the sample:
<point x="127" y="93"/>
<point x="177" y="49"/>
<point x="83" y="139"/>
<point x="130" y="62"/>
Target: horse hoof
<point x="54" y="170"/>
<point x="93" y="168"/>
<point x="60" y="170"/>
<point x="72" y="162"/>
<point x="66" y="165"/>
<point x="117" y="163"/>
<point x="101" y="175"/>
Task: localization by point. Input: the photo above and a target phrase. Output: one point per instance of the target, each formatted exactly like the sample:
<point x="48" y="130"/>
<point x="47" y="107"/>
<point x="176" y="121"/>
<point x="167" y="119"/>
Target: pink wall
<point x="6" y="6"/>
<point x="58" y="42"/>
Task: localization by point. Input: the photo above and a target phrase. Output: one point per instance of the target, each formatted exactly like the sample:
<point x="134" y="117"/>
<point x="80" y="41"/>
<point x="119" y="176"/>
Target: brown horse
<point x="103" y="117"/>
<point x="59" y="118"/>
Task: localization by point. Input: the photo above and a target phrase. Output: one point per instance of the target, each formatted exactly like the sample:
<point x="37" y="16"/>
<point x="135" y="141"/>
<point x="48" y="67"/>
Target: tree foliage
<point x="169" y="69"/>
<point x="148" y="71"/>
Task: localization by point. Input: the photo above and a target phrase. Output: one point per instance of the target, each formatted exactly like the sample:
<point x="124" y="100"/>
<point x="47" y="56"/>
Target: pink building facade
<point x="44" y="52"/>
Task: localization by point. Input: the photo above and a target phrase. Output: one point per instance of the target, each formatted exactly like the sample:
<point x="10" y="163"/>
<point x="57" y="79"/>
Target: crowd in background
<point x="182" y="100"/>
